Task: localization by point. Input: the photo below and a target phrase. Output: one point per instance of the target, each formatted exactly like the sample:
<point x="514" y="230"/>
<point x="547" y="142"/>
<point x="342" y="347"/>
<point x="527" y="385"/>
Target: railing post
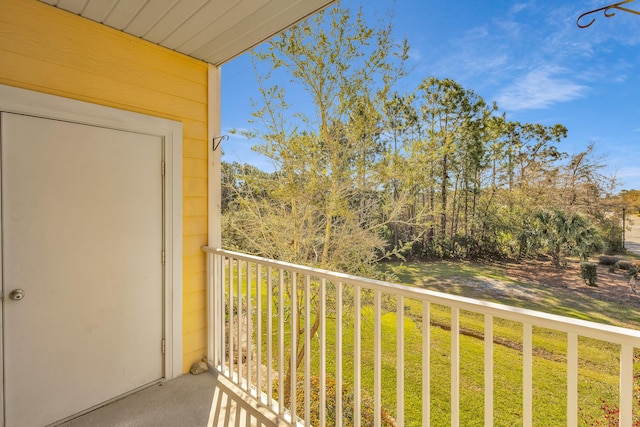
<point x="400" y="361"/>
<point x="626" y="385"/>
<point x="339" y="354"/>
<point x="426" y="364"/>
<point x="572" y="380"/>
<point x="357" y="357"/>
<point x="488" y="370"/>
<point x="212" y="323"/>
<point x="215" y="304"/>
<point x="455" y="366"/>
<point x="527" y="375"/>
<point x="377" y="358"/>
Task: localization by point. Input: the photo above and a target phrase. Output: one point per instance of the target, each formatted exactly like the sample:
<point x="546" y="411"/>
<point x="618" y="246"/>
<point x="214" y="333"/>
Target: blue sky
<point x="529" y="57"/>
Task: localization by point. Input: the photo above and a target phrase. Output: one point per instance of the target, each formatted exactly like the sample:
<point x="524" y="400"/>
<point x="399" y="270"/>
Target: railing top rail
<point x="581" y="327"/>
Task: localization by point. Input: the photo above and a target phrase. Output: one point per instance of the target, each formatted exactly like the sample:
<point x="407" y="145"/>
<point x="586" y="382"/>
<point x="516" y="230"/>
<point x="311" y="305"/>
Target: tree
<point x="323" y="206"/>
<point x="563" y="234"/>
<point x="631" y="200"/>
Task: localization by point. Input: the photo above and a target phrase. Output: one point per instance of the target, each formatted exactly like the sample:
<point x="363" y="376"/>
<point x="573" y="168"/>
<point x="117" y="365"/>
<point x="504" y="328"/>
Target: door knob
<point x="16" y="294"/>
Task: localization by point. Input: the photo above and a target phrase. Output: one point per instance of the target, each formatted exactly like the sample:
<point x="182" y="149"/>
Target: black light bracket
<point x="217" y="140"/>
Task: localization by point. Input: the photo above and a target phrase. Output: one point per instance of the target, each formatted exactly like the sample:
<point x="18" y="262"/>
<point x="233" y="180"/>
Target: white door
<point x="82" y="238"/>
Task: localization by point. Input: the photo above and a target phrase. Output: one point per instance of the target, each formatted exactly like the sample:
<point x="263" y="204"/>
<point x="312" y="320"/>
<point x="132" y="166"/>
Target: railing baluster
<point x="488" y="370"/>
<point x="269" y="337"/>
<point x="572" y="379"/>
<point x="219" y="304"/>
<point x="294" y="346"/>
<point x="339" y="354"/>
<point x="230" y="319"/>
<point x="307" y="351"/>
<point x="455" y="366"/>
<point x="281" y="341"/>
<point x="239" y="317"/>
<point x="400" y="361"/>
<point x="212" y="320"/>
<point x="258" y="331"/>
<point x="249" y="328"/>
<point x="357" y="410"/>
<point x="626" y="385"/>
<point x="377" y="358"/>
<point x="426" y="364"/>
<point x="223" y="326"/>
<point x="323" y="352"/>
<point x="527" y="375"/>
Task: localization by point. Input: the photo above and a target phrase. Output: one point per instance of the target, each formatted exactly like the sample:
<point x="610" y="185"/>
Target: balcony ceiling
<point x="214" y="31"/>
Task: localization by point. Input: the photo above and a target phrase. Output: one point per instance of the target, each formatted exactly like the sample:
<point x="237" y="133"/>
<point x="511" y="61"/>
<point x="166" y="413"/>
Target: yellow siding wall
<point x="49" y="50"/>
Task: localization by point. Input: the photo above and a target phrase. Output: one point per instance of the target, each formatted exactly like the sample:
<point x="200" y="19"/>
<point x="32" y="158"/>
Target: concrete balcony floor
<point x="188" y="401"/>
<point x="184" y="401"/>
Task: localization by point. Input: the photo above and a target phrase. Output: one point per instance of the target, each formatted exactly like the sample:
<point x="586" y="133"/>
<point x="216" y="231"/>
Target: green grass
<point x="598" y="362"/>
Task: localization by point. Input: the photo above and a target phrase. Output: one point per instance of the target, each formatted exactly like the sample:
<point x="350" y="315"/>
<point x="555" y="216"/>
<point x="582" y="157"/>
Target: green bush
<point x="589" y="273"/>
<point x="624" y="264"/>
<point x="608" y="260"/>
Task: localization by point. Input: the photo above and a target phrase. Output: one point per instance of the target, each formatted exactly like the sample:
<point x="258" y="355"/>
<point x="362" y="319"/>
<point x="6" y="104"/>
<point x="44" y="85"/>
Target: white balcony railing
<point x="260" y="310"/>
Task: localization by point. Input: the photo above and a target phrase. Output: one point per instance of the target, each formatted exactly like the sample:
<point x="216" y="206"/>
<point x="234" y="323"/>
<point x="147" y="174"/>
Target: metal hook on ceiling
<point x="607" y="11"/>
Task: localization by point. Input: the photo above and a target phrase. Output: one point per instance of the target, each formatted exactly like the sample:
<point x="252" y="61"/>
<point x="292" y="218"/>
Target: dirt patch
<point x="612" y="286"/>
<point x="533" y="281"/>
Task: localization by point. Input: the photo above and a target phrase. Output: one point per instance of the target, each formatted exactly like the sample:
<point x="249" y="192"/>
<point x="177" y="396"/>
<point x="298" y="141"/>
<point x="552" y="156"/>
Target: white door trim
<point x="21" y="101"/>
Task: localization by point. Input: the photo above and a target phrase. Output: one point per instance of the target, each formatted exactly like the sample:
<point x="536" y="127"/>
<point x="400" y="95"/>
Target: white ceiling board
<point x="149" y="16"/>
<point x="198" y="24"/>
<point x="123" y="13"/>
<point x="72" y="4"/>
<point x="214" y="31"/>
<point x="174" y="20"/>
<point x="214" y="35"/>
<point x="254" y="29"/>
<point x="99" y="10"/>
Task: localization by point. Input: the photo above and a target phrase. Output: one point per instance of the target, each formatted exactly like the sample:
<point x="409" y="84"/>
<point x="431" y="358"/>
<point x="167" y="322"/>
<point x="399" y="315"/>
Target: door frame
<point x="22" y="101"/>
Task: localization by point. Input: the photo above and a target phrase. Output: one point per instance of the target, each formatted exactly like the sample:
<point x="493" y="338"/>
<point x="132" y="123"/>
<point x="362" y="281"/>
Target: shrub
<point x="624" y="264"/>
<point x="589" y="273"/>
<point x="608" y="260"/>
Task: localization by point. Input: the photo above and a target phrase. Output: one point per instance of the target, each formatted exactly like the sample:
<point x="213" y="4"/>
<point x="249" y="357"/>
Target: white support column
<point x="214" y="197"/>
<point x="214" y="162"/>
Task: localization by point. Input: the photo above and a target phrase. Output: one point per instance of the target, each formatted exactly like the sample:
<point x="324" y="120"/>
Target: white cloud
<point x="539" y="89"/>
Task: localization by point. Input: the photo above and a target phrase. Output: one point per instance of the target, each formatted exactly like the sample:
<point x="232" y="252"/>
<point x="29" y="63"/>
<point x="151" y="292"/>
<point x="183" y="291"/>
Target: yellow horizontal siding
<point x="193" y="148"/>
<point x="195" y="264"/>
<point x="196" y="321"/>
<point x="194" y="206"/>
<point x="193" y="225"/>
<point x="197" y="281"/>
<point x="192" y="245"/>
<point x="192" y="186"/>
<point x="46" y="49"/>
<point x="197" y="167"/>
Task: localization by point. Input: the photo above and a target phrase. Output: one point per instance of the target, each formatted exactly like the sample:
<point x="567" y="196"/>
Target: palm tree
<point x="565" y="235"/>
